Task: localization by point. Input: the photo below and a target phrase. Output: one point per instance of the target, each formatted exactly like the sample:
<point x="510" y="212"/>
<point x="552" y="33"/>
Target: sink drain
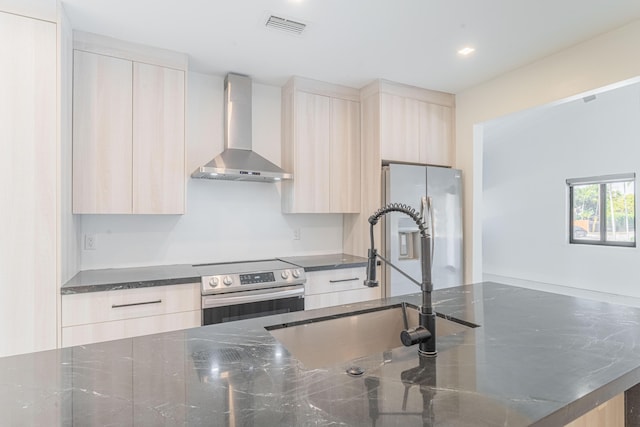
<point x="355" y="371"/>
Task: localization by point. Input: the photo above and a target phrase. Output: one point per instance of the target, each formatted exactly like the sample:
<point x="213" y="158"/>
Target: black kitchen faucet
<point x="425" y="333"/>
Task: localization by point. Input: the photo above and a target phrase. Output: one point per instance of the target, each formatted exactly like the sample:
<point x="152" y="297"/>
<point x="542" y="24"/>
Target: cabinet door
<point x="158" y="140"/>
<point x="334" y="281"/>
<point x="399" y="128"/>
<point x="436" y="139"/>
<point x="96" y="307"/>
<point x="28" y="189"/>
<point x="338" y="298"/>
<point x="118" y="329"/>
<point x="102" y="129"/>
<point x="101" y="316"/>
<point x="312" y="153"/>
<point x="334" y="287"/>
<point x="610" y="413"/>
<point x="345" y="156"/>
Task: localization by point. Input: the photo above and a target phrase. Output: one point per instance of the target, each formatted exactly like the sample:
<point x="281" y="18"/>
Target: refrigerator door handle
<point x="426" y="206"/>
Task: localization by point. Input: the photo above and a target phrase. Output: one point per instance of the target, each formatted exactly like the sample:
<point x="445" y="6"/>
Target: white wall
<point x="46" y="10"/>
<point x="601" y="61"/>
<point x="527" y="159"/>
<point x="225" y="220"/>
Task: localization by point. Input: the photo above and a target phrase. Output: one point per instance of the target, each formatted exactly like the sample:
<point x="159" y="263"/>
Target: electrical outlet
<point x="296" y="234"/>
<point x="89" y="242"/>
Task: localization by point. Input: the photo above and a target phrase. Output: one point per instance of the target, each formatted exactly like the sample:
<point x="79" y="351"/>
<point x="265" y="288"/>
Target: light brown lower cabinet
<point x="335" y="287"/>
<point x="103" y="316"/>
<point x="609" y="414"/>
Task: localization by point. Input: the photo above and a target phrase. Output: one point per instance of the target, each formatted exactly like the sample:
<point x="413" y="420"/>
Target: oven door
<point x="221" y="308"/>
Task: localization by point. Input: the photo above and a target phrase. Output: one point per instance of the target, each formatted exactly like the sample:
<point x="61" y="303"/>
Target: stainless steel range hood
<point x="238" y="162"/>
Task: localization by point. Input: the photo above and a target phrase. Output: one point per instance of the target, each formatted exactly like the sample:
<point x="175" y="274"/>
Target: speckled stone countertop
<point x="128" y="278"/>
<point x="139" y="277"/>
<point x="537" y="358"/>
<point x="326" y="262"/>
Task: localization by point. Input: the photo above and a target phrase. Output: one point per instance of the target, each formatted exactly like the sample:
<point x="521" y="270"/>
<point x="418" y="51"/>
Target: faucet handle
<point x="415" y="335"/>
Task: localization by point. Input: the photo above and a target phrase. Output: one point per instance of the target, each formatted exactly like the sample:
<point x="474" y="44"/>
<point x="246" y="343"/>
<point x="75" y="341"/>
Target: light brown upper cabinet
<point x="436" y="134"/>
<point x="321" y="146"/>
<point x="102" y="130"/>
<point x="416" y="125"/>
<point x="158" y="140"/>
<point x="399" y="128"/>
<point x="345" y="156"/>
<point x="128" y="135"/>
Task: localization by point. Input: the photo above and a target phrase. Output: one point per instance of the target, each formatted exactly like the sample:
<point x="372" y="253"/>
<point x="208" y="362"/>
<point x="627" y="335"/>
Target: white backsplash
<point x="226" y="221"/>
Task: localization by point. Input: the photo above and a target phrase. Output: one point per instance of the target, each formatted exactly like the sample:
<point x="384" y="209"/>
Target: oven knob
<point x="295" y="273"/>
<point x="214" y="281"/>
<point x="227" y="280"/>
<point x="285" y="274"/>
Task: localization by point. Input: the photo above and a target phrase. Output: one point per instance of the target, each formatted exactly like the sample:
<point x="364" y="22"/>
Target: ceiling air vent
<point x="287" y="25"/>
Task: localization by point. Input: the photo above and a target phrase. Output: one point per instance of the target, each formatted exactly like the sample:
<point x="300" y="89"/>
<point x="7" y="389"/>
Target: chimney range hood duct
<point x="238" y="162"/>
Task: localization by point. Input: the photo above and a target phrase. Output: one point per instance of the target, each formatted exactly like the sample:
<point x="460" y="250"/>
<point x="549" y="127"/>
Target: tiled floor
<point x="566" y="290"/>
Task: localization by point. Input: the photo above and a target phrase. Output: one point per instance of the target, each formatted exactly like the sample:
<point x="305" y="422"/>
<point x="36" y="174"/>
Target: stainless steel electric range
<point x="248" y="289"/>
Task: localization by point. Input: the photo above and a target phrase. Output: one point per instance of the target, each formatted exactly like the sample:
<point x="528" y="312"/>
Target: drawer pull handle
<point x="344" y="280"/>
<point x="136" y="303"/>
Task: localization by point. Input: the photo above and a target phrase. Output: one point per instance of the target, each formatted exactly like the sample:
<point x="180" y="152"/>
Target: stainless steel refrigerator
<point x="408" y="184"/>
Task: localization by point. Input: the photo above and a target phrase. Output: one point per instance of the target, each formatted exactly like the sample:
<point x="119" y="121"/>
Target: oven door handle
<point x="222" y="300"/>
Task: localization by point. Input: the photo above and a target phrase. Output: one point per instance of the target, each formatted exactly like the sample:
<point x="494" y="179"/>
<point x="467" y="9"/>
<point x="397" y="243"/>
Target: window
<point x="602" y="210"/>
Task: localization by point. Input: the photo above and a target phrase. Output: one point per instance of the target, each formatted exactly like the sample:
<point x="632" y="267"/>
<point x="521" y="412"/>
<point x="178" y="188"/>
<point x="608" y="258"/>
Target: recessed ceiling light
<point x="466" y="51"/>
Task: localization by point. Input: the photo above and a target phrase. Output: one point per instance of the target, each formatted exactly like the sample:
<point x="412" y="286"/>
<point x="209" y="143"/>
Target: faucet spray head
<point x="370" y="280"/>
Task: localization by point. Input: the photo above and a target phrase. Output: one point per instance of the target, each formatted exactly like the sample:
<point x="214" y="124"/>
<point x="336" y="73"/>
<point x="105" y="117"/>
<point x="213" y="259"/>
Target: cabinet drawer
<point x="118" y="329"/>
<point x="94" y="307"/>
<point x="343" y="279"/>
<point x="338" y="298"/>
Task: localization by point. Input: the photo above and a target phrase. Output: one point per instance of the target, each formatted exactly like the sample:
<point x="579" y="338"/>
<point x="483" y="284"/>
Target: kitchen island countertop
<point x="537" y="359"/>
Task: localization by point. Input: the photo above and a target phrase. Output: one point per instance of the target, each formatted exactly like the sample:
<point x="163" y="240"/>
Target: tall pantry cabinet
<point x="30" y="158"/>
<point x="400" y="123"/>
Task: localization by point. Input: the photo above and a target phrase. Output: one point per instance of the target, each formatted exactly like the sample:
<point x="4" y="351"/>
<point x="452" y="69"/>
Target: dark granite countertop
<point x="537" y="359"/>
<point x="128" y="278"/>
<point x="139" y="277"/>
<point x="326" y="262"/>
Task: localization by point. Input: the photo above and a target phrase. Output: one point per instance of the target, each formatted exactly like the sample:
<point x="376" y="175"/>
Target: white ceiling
<point x="353" y="42"/>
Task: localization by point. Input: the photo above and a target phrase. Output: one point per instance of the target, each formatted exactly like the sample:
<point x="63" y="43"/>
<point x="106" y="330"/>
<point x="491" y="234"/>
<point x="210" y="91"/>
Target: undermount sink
<point x="324" y="341"/>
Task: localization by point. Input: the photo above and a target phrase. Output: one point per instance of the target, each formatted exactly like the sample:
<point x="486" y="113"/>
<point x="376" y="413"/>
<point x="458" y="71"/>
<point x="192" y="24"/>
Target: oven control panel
<point x="235" y="282"/>
<point x="252" y="278"/>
